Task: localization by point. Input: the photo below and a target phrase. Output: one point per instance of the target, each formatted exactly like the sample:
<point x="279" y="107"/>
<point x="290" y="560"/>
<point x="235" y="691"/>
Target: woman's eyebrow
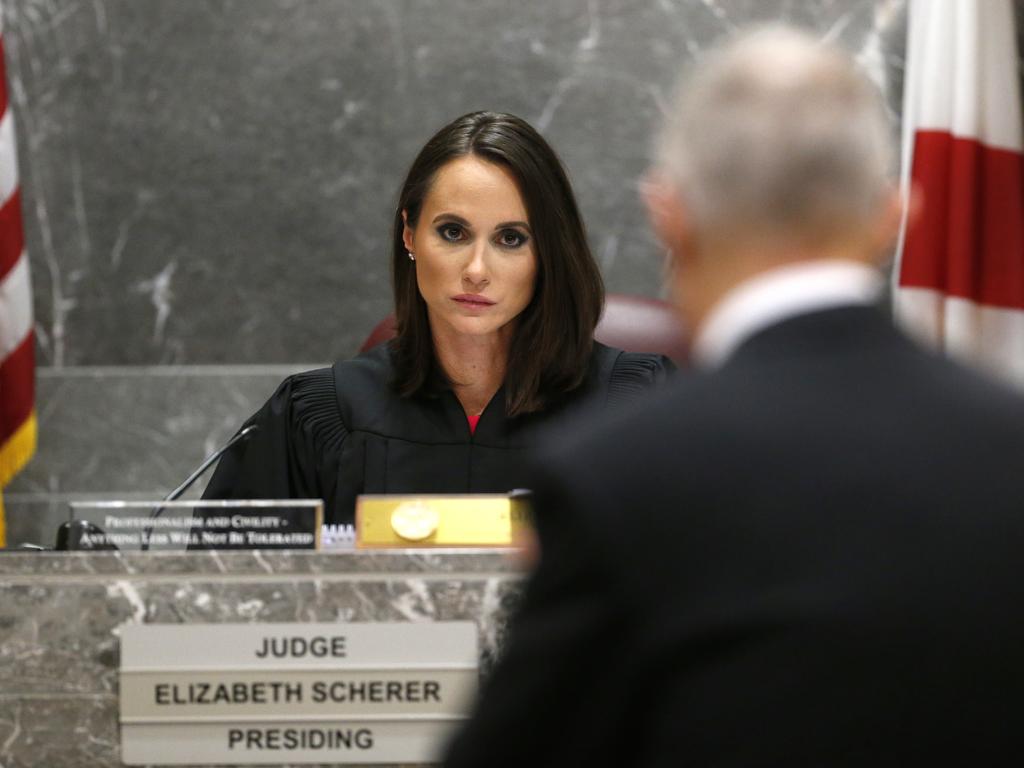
<point x="511" y="224"/>
<point x="450" y="217"/>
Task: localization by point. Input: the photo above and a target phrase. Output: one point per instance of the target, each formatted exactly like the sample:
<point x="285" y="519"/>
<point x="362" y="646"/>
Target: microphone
<point x="239" y="437"/>
<point x="244" y="434"/>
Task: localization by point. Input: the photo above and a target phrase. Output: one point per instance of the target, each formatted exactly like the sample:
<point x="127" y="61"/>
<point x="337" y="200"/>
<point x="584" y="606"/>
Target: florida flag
<point x="17" y="343"/>
<point x="960" y="274"/>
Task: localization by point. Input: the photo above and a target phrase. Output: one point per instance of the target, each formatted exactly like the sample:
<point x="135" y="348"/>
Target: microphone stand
<point x="196" y="474"/>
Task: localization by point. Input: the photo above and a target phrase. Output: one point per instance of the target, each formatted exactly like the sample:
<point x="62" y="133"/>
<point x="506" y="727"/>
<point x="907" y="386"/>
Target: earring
<point x="411" y="257"/>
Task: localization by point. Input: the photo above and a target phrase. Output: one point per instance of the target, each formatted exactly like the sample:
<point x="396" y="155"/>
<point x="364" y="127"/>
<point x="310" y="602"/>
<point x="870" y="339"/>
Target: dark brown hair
<point x="551" y="350"/>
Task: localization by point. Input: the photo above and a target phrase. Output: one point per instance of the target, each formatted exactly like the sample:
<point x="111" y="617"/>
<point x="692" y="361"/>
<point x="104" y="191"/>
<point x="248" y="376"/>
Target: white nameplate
<point x="179" y="696"/>
<point x="147" y="647"/>
<point x="293" y="693"/>
<point x="336" y="741"/>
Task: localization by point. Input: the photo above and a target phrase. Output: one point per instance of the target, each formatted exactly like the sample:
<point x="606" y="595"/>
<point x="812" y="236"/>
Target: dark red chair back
<point x="382" y="331"/>
<point x="642" y="324"/>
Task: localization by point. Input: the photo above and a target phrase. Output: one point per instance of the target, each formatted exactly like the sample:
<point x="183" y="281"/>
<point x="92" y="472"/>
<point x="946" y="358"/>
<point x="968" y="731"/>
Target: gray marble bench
<point x="59" y="612"/>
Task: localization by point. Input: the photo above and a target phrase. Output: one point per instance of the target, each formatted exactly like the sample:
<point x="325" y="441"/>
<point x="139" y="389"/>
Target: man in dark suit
<point x="809" y="552"/>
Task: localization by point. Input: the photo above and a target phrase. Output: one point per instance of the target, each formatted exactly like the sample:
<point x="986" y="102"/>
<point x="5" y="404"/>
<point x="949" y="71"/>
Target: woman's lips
<point x="473" y="300"/>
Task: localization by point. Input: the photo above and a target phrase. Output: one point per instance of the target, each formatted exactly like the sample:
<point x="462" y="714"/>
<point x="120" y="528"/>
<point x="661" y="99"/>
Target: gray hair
<point x="777" y="132"/>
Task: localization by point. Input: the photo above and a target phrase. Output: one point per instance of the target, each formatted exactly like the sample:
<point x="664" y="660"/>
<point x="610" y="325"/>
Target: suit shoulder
<point x="974" y="397"/>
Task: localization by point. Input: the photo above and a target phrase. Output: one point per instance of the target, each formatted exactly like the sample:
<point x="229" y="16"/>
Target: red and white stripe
<point x="960" y="273"/>
<point x="17" y="346"/>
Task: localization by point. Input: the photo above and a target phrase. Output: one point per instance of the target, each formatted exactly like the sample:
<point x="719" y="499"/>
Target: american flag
<point x="960" y="279"/>
<point x="17" y="342"/>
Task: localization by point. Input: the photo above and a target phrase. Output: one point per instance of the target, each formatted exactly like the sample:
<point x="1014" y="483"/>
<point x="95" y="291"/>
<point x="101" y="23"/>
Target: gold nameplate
<point x="481" y="520"/>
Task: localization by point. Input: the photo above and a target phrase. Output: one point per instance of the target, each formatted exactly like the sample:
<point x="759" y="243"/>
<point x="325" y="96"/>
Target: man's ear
<point x="897" y="211"/>
<point x="667" y="214"/>
<point x="914" y="206"/>
<point x="407" y="233"/>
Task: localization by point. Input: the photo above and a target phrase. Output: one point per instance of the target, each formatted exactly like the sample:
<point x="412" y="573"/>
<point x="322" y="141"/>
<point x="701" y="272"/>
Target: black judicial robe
<point x="337" y="432"/>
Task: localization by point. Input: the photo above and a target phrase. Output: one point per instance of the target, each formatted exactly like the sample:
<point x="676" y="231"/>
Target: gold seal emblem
<point x="414" y="521"/>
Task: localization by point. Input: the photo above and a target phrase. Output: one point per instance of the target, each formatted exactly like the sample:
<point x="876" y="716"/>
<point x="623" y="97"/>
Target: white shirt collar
<point x="777" y="295"/>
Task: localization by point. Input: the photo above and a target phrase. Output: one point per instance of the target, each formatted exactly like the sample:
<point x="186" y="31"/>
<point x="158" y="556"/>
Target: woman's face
<point x="475" y="261"/>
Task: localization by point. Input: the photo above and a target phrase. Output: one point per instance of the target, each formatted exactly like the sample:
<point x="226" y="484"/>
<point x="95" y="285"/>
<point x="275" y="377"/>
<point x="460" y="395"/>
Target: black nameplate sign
<point x="178" y="526"/>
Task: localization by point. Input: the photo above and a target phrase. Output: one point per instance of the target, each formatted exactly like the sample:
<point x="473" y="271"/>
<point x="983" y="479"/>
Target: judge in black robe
<point x="496" y="299"/>
<point x="334" y="433"/>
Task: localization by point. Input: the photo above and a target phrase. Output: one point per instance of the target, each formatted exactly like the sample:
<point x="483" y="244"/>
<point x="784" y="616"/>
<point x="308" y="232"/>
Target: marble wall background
<point x="208" y="185"/>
